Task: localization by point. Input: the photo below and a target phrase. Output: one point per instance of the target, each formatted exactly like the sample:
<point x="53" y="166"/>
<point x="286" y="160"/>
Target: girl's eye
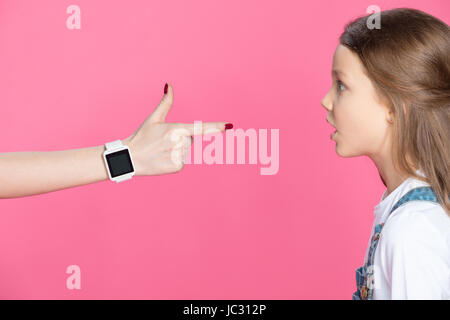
<point x="340" y="85"/>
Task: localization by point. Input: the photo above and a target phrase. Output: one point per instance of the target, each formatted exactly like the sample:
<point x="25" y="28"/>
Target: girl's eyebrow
<point x="339" y="73"/>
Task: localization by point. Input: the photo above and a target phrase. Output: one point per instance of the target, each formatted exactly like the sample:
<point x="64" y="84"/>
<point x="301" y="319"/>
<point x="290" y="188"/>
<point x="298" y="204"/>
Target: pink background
<point x="210" y="231"/>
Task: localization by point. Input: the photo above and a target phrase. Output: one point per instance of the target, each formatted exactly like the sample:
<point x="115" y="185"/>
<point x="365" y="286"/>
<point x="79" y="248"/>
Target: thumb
<point x="161" y="111"/>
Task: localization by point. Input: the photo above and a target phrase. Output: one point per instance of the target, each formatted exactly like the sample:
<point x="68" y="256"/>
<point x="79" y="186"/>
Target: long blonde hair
<point x="408" y="61"/>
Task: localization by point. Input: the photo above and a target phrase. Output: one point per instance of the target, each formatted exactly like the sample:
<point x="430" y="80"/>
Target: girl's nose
<point x="326" y="102"/>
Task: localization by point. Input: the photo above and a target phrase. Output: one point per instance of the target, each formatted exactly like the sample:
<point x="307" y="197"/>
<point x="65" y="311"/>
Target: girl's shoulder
<point x="413" y="253"/>
<point x="418" y="223"/>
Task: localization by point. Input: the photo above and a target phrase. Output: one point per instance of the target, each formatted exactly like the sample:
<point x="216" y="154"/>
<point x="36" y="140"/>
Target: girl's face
<point x="360" y="119"/>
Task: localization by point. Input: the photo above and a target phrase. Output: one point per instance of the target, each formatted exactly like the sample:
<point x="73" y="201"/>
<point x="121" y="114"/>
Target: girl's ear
<point x="390" y="116"/>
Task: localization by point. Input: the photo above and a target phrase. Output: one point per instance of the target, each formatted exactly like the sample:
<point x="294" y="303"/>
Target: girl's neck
<point x="390" y="177"/>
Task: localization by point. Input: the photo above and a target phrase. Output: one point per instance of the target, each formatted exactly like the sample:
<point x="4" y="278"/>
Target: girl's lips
<point x="333" y="134"/>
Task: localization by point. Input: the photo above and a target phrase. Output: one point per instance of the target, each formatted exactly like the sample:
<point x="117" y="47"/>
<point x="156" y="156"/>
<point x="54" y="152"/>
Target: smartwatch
<point x="118" y="161"/>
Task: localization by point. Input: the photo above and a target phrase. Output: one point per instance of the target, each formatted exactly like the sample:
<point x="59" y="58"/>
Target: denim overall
<point x="364" y="274"/>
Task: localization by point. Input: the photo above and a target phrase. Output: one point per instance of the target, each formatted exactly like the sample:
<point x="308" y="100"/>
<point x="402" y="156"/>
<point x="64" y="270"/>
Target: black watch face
<point x="119" y="163"/>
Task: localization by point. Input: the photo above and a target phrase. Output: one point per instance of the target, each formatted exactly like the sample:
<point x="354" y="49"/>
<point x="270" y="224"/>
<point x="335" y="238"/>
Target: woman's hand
<point x="159" y="147"/>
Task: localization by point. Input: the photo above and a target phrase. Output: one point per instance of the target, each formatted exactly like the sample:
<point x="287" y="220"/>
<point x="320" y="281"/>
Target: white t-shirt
<point x="412" y="259"/>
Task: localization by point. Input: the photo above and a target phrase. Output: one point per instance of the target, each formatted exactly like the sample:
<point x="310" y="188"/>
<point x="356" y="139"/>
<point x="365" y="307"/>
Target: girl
<point x="390" y="101"/>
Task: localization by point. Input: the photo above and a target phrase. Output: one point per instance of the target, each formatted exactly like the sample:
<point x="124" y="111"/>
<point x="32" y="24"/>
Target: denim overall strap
<point x="364" y="274"/>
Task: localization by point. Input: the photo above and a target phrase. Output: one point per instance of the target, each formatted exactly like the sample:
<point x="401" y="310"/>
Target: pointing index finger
<point x="201" y="128"/>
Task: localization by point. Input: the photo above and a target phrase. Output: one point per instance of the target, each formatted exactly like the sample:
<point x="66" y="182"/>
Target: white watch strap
<point x="123" y="178"/>
<point x="113" y="145"/>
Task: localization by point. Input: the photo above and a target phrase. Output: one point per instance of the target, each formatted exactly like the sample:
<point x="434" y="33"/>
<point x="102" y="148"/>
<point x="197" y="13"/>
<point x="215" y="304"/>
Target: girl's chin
<point x="343" y="151"/>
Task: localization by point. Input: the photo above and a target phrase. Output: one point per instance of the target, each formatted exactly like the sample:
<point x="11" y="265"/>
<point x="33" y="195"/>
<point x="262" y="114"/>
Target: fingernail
<point x="228" y="126"/>
<point x="165" y="88"/>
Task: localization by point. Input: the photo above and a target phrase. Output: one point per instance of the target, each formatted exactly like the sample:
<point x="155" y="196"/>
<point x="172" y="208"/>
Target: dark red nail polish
<point x="165" y="88"/>
<point x="228" y="126"/>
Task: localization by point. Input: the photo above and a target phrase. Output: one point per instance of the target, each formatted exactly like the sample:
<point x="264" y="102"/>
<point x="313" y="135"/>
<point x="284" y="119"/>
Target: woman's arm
<point x="157" y="147"/>
<point x="28" y="173"/>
